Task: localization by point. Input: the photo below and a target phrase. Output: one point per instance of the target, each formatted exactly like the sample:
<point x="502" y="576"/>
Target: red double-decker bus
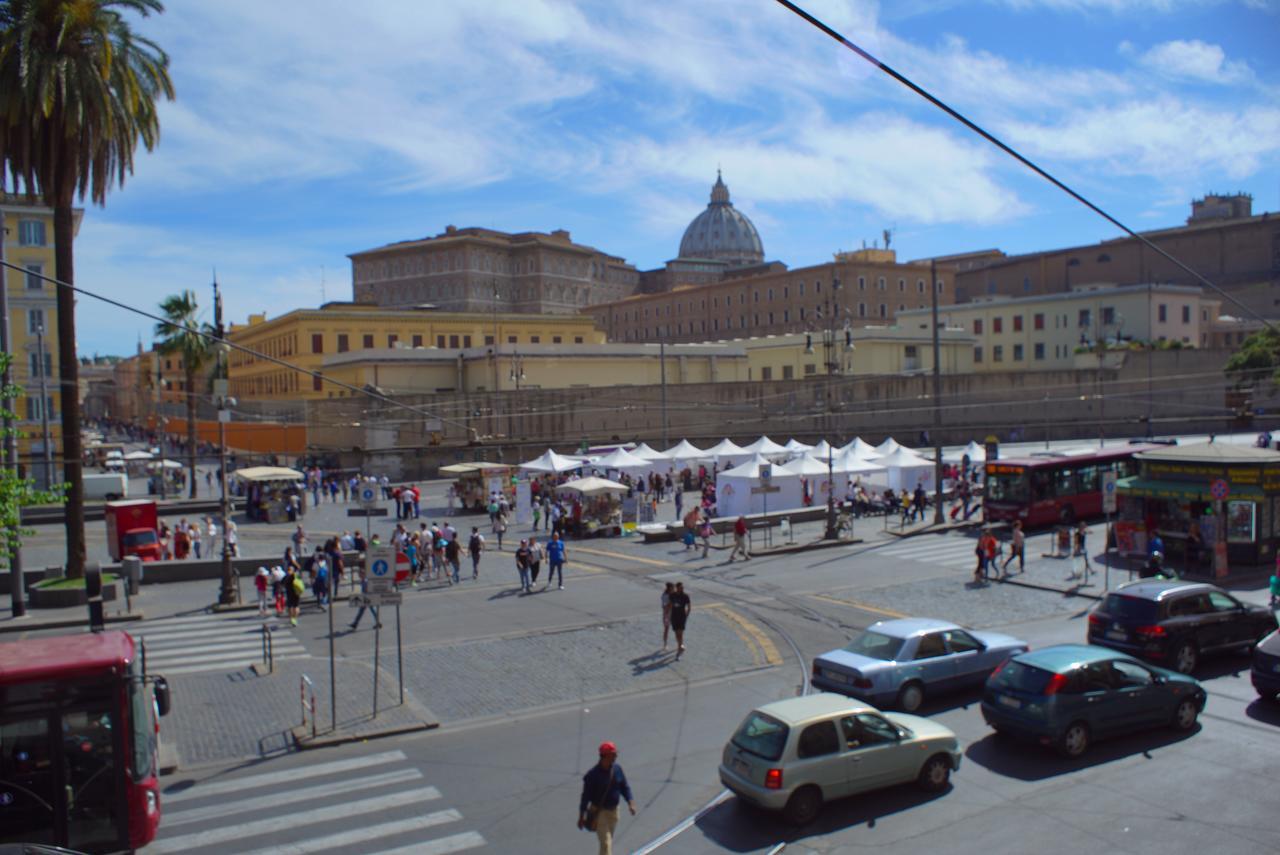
<point x="1052" y="489"/>
<point x="79" y="760"/>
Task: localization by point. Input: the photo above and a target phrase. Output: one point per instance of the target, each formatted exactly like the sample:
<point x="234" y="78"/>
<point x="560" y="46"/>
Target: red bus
<point x="79" y="758"/>
<point x="1053" y="489"/>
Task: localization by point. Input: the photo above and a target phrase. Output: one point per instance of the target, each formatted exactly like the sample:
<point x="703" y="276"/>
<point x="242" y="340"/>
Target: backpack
<point x="474" y="544"/>
<point x="298" y="586"/>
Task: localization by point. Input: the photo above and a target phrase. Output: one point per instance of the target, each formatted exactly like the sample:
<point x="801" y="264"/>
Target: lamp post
<point x="937" y="398"/>
<point x="229" y="593"/>
<point x="47" y="452"/>
<point x="17" y="594"/>
<point x="830" y="343"/>
<point x="517" y="369"/>
<point x="159" y="398"/>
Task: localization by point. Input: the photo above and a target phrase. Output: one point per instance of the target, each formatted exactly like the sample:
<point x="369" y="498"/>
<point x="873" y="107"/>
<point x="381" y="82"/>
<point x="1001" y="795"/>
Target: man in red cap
<point x="603" y="787"/>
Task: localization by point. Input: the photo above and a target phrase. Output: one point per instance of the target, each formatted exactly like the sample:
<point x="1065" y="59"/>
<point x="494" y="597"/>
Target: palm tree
<point x="78" y="89"/>
<point x="183" y="335"/>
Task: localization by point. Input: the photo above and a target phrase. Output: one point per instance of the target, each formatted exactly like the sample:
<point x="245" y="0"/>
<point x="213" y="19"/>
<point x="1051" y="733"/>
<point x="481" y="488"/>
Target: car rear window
<point x="1131" y="608"/>
<point x="762" y="735"/>
<point x="1024" y="678"/>
<point x="875" y="645"/>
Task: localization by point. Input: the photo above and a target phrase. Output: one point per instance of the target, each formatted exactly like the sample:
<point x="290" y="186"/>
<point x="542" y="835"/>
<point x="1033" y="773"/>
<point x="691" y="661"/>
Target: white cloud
<point x="1195" y="60"/>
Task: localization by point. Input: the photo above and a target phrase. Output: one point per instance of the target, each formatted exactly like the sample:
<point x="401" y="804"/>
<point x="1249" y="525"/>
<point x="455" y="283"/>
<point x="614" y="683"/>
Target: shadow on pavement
<point x="1029" y="761"/>
<point x="651" y="661"/>
<point x="1264" y="711"/>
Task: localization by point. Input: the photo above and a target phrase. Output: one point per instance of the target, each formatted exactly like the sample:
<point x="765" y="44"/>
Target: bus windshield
<point x="1007" y="486"/>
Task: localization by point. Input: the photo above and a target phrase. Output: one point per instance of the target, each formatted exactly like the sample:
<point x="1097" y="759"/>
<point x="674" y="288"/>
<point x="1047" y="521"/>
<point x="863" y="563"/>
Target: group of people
<point x="195" y="539"/>
<point x="529" y="557"/>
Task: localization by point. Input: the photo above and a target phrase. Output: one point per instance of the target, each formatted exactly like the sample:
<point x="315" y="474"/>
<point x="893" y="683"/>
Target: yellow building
<point x="306" y="337"/>
<point x="861" y="351"/>
<point x="28" y="243"/>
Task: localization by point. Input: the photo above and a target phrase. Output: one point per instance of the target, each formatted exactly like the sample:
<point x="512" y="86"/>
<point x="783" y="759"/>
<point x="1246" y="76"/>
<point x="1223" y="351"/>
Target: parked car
<point x="1266" y="666"/>
<point x="797" y="754"/>
<point x="896" y="663"/>
<point x="1068" y="695"/>
<point x="1175" y="623"/>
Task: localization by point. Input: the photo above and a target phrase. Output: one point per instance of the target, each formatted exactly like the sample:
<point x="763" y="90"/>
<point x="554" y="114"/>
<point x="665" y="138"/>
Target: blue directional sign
<point x="382" y="565"/>
<point x="380" y="568"/>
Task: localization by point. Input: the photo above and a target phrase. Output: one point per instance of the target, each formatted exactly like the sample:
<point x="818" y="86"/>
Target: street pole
<point x="47" y="454"/>
<point x="16" y="592"/>
<point x="828" y="346"/>
<point x="662" y="367"/>
<point x="159" y="423"/>
<point x="229" y="593"/>
<point x="1150" y="342"/>
<point x="937" y="398"/>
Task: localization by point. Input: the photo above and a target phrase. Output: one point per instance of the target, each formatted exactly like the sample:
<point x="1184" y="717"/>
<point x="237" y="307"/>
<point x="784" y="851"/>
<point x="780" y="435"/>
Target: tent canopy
<point x="166" y="464"/>
<point x="810" y="465"/>
<point x="903" y="458"/>
<point x="268" y="473"/>
<point x="889" y="446"/>
<point x="726" y="448"/>
<point x="751" y="468"/>
<point x="477" y="466"/>
<point x="138" y="455"/>
<point x="551" y="462"/>
<point x="796" y="446"/>
<point x="861" y="449"/>
<point x="644" y="452"/>
<point x="623" y="459"/>
<point x="764" y="445"/>
<point x="685" y="450"/>
<point x="822" y="450"/>
<point x="593" y="485"/>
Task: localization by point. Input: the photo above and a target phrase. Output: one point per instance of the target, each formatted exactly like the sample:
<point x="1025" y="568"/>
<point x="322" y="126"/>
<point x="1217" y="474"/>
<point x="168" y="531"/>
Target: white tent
<point x="551" y="462"/>
<point x="138" y="455"/>
<point x="685" y="450"/>
<point x="861" y="449"/>
<point x="906" y="469"/>
<point x="734" y="488"/>
<point x="623" y="461"/>
<point x="822" y="450"/>
<point x="869" y="472"/>
<point x="889" y="446"/>
<point x="796" y="447"/>
<point x="644" y="452"/>
<point x="766" y="446"/>
<point x="727" y="451"/>
<point x="976" y="453"/>
<point x="814" y="471"/>
<point x="593" y="485"/>
<point x="166" y="464"/>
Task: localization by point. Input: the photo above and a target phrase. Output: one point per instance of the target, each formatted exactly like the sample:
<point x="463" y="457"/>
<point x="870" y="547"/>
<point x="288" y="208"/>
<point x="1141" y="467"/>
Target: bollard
<point x="131" y="569"/>
<point x="268" y="649"/>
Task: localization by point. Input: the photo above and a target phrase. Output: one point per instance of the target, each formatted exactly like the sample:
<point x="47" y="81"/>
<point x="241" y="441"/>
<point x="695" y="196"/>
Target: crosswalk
<point x="949" y="551"/>
<point x="376" y="803"/>
<point x="211" y="642"/>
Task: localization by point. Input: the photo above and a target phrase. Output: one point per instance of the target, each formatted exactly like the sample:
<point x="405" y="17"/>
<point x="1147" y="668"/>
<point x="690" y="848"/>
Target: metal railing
<point x="268" y="649"/>
<point x="305" y="688"/>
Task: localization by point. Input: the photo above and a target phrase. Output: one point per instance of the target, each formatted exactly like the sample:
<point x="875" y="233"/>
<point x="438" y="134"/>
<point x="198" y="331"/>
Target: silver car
<point x="796" y="754"/>
<point x="896" y="663"/>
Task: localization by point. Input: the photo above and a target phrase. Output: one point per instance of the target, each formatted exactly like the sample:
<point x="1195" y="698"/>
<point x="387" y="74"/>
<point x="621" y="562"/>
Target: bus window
<point x="1007" y="486"/>
<point x="142" y="719"/>
<point x="1064" y="482"/>
<point x="1088" y="479"/>
<point x="1041" y="485"/>
<point x="27" y="787"/>
<point x="89" y="752"/>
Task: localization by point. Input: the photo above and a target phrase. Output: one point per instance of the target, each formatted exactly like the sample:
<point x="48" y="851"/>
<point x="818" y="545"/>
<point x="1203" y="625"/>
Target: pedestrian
<point x="522" y="565"/>
<point x="705" y="531"/>
<point x="320" y="578"/>
<point x="1017" y="548"/>
<point x="537" y="515"/>
<point x="299" y="538"/>
<point x="364" y="589"/>
<point x="232" y="539"/>
<point x="499" y="527"/>
<point x="475" y="546"/>
<point x="293" y="588"/>
<point x="536" y="555"/>
<point x="680" y="608"/>
<point x="261" y="582"/>
<point x="980" y="550"/>
<point x="740" y="539"/>
<point x="277" y="589"/>
<point x="679" y="503"/>
<point x="555" y="560"/>
<point x="1082" y="545"/>
<point x="453" y="555"/>
<point x="195" y="538"/>
<point x="208" y="479"/>
<point x="666" y="612"/>
<point x="603" y="787"/>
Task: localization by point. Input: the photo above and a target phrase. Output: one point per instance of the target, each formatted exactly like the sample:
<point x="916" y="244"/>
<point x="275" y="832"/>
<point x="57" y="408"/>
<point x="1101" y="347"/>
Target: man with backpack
<point x="475" y="546"/>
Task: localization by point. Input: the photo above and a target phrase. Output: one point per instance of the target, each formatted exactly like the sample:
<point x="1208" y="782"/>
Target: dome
<point x="722" y="232"/>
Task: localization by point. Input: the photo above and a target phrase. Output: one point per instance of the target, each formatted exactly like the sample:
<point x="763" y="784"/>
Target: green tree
<point x="78" y="90"/>
<point x="1257" y="359"/>
<point x="181" y="336"/>
<point x="16" y="492"/>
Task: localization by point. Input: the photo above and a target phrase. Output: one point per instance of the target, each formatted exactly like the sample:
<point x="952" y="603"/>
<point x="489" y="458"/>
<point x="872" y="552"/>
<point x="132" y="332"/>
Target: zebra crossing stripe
<point x="285" y="821"/>
<point x="231" y="665"/>
<point x="440" y="846"/>
<point x="286" y="796"/>
<point x="199" y="632"/>
<point x="215" y="648"/>
<point x="284" y="776"/>
<point x="357" y="836"/>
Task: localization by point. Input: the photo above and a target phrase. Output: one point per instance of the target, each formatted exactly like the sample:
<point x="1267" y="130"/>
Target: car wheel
<point x="803" y="806"/>
<point x="935" y="774"/>
<point x="1185" y="714"/>
<point x="910" y="697"/>
<point x="1185" y="658"/>
<point x="1075" y="741"/>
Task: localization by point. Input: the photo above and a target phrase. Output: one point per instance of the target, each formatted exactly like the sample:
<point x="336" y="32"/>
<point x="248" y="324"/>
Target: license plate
<point x="741" y="766"/>
<point x="1116" y="635"/>
<point x="1011" y="703"/>
<point x="837" y="676"/>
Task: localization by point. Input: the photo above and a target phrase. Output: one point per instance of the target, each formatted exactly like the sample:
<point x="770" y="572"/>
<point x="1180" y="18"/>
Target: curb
<point x="1068" y="592"/>
<point x="18" y="626"/>
<point x="934" y="529"/>
<point x="302" y="741"/>
<point x="806" y="547"/>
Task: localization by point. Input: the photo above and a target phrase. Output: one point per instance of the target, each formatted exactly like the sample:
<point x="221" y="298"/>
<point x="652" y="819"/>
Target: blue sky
<point x="304" y="131"/>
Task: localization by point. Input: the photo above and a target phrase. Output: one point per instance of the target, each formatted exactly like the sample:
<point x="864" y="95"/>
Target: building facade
<point x="33" y="314"/>
<point x="476" y="270"/>
<point x="860" y="352"/>
<point x="1046" y="332"/>
<point x="305" y="337"/>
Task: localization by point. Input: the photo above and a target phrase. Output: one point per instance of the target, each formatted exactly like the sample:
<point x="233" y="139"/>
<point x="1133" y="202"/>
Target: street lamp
<point x="517" y="369"/>
<point x="229" y="592"/>
<point x="833" y="362"/>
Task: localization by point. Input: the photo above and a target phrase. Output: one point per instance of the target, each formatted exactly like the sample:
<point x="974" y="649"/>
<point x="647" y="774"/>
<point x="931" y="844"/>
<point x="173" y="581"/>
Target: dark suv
<point x="1173" y="623"/>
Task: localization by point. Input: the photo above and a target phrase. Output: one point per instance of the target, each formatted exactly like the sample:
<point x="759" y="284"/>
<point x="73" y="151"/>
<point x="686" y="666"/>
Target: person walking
<point x="320" y="578"/>
<point x="985" y="551"/>
<point x="537" y="514"/>
<point x="194" y="532"/>
<point x="453" y="555"/>
<point x="535" y="560"/>
<point x="1017" y="549"/>
<point x="261" y="583"/>
<point x="705" y="531"/>
<point x="679" y="497"/>
<point x="1082" y="547"/>
<point x="475" y="546"/>
<point x="293" y="588"/>
<point x="740" y="539"/>
<point x="522" y="564"/>
<point x="555" y="560"/>
<point x="604" y="786"/>
<point x="499" y="527"/>
<point x="277" y="589"/>
<point x="666" y="612"/>
<point x="364" y="589"/>
<point x="680" y="608"/>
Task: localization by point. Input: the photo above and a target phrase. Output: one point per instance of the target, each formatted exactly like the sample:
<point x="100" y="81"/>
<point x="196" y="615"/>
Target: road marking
<point x="356" y="836"/>
<point x="286" y="796"/>
<point x="682" y="826"/>
<point x="760" y="637"/>
<point x="619" y="555"/>
<point x="270" y="779"/>
<point x="217" y="648"/>
<point x="886" y="612"/>
<point x="441" y="846"/>
<point x="300" y="819"/>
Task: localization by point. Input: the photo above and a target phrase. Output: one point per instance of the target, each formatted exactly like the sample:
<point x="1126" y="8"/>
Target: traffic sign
<point x="366" y="512"/>
<point x="368" y="495"/>
<point x="382" y="561"/>
<point x="1108" y="492"/>
<point x="402" y="567"/>
<point x="393" y="598"/>
<point x="1219" y="489"/>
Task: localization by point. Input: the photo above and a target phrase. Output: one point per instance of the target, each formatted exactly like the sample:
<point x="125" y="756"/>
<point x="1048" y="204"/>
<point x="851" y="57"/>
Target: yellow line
<point x="742" y="634"/>
<point x="761" y="638"/>
<point x="857" y="605"/>
<point x="575" y="548"/>
<point x="590" y="568"/>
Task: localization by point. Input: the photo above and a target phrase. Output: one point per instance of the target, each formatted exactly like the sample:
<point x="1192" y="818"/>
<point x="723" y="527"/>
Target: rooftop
<point x="1212" y="452"/>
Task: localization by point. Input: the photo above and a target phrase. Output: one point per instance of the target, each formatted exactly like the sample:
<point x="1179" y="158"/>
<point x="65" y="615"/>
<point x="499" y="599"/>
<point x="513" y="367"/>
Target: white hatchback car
<point x="796" y="754"/>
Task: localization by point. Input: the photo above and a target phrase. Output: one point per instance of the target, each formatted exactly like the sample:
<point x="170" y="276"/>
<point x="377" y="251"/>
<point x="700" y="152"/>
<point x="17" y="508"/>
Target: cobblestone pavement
<point x="485" y="678"/>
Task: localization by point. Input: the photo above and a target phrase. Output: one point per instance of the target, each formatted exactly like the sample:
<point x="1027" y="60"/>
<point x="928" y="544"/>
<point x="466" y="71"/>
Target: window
<point x="1163" y="312"/>
<point x="880" y="283"/>
<point x="1186" y="314"/>
<point x="864" y="730"/>
<point x="34" y="282"/>
<point x="862" y="310"/>
<point x="997" y="325"/>
<point x="453" y="342"/>
<point x="488" y="340"/>
<point x="1065" y="483"/>
<point x="788" y="373"/>
<point x="317" y="342"/>
<point x="316" y="383"/>
<point x="810" y="369"/>
<point x="997" y="353"/>
<point x="930" y="645"/>
<point x="440" y="342"/>
<point x="862" y="283"/>
<point x="1108" y="315"/>
<point x="920" y="286"/>
<point x="1037" y="321"/>
<point x="577" y="339"/>
<point x="35" y="320"/>
<point x="1222" y="603"/>
<point x="31" y="233"/>
<point x="512" y="339"/>
<point x="977" y="353"/>
<point x="1017" y="353"/>
<point x="1039" y="350"/>
<point x="818" y="740"/>
<point x="368" y="341"/>
<point x="1085" y="318"/>
<point x="535" y="339"/>
<point x="34" y="364"/>
<point x="883" y="310"/>
<point x="1017" y="323"/>
<point x="960" y="641"/>
<point x="1129" y="675"/>
<point x="416" y="341"/>
<point x="977" y="326"/>
<point x="392" y="338"/>
<point x="766" y="373"/>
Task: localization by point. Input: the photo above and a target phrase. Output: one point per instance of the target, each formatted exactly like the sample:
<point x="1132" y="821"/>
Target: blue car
<point x="1266" y="666"/>
<point x="896" y="663"/>
<point x="1068" y="695"/>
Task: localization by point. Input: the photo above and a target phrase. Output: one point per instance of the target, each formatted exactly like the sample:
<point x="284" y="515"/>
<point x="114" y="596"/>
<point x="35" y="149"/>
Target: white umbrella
<point x="593" y="485"/>
<point x="764" y="445"/>
<point x="623" y="460"/>
<point x="138" y="455"/>
<point x="685" y="450"/>
<point x="551" y="462"/>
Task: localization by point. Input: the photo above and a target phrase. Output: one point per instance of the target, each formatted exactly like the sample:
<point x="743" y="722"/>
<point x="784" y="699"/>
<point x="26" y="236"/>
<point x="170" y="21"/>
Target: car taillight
<point x="999" y="668"/>
<point x="1097" y="620"/>
<point x="773" y="779"/>
<point x="1056" y="684"/>
<point x="817" y="672"/>
<point x="861" y="683"/>
<point x="1155" y="630"/>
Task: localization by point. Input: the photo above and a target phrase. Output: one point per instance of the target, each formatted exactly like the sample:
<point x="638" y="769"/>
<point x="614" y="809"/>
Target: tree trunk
<point x="191" y="428"/>
<point x="69" y="384"/>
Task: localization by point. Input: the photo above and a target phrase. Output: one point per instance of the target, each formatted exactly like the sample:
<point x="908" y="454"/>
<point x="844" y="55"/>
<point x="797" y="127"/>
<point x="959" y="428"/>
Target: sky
<point x="305" y="130"/>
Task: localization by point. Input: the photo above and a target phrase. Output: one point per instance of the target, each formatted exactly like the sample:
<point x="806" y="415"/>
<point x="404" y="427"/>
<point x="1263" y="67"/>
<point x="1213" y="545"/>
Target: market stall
<point x="906" y="469"/>
<point x="889" y="446"/>
<point x="768" y="448"/>
<point x="621" y="460"/>
<point x="727" y="453"/>
<point x="684" y="453"/>
<point x="743" y="490"/>
<point x="551" y="462"/>
<point x="595" y="507"/>
<point x="270" y="491"/>
<point x="816" y="479"/>
<point x="476" y="481"/>
<point x="861" y="449"/>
